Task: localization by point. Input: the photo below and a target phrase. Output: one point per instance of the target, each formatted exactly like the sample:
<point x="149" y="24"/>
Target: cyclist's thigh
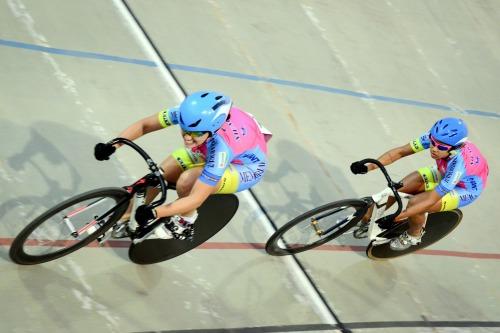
<point x="187" y="179"/>
<point x="179" y="161"/>
<point x="430" y="177"/>
<point x="238" y="177"/>
<point x="413" y="183"/>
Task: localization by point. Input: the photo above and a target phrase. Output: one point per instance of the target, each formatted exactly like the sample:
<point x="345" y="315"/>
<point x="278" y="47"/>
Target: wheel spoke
<point x="69" y="225"/>
<point x="316" y="227"/>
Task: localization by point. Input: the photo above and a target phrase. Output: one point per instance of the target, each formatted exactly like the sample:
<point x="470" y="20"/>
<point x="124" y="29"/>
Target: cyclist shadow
<point x="104" y="292"/>
<point x="41" y="169"/>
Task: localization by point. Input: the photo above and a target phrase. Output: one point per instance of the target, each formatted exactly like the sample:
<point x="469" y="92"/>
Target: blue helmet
<point x="451" y="131"/>
<point x="204" y="111"/>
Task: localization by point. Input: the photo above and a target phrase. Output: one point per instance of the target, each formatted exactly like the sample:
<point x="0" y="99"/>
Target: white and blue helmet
<point x="451" y="131"/>
<point x="204" y="111"/>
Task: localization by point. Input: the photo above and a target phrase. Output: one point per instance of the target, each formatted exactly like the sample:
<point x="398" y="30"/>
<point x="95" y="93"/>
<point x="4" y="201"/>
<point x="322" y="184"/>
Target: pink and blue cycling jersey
<point x="465" y="168"/>
<point x="240" y="142"/>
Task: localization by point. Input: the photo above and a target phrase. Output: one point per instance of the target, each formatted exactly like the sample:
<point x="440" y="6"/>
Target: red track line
<point x="261" y="246"/>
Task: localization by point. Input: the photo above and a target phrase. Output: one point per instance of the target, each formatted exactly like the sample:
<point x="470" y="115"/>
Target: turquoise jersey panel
<point x="465" y="168"/>
<point x="219" y="155"/>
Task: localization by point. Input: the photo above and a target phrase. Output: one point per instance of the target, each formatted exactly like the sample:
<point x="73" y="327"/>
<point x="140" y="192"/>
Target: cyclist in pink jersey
<point x="225" y="151"/>
<point x="457" y="179"/>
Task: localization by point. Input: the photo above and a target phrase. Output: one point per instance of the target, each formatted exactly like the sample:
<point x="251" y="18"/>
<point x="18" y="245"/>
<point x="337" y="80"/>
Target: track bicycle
<point x="93" y="215"/>
<point x="327" y="222"/>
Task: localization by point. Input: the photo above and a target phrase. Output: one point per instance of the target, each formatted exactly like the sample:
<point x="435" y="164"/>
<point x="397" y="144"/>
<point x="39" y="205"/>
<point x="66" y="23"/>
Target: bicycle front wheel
<point x="69" y="226"/>
<point x="316" y="227"/>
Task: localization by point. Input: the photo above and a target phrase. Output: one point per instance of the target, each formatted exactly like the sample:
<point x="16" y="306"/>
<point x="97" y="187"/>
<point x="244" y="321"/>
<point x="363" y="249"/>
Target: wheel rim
<point x="316" y="229"/>
<point x="72" y="224"/>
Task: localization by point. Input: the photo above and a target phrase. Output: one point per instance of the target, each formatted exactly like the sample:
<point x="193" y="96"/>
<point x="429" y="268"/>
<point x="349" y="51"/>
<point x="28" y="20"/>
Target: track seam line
<point x="325" y="312"/>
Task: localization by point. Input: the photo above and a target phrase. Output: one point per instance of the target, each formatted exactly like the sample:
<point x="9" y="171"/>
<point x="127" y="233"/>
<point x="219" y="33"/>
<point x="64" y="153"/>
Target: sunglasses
<point x="439" y="145"/>
<point x="194" y="134"/>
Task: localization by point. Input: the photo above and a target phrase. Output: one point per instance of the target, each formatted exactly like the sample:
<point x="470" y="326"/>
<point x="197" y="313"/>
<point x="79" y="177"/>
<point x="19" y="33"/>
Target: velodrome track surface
<point x="334" y="81"/>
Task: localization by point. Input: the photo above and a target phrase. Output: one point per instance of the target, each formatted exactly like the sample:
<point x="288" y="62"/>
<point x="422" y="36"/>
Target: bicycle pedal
<point x="120" y="231"/>
<point x="361" y="232"/>
<point x="103" y="238"/>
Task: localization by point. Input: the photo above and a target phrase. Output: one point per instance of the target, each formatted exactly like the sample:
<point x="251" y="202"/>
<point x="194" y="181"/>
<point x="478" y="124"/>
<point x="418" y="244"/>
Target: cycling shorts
<point x="236" y="177"/>
<point x="458" y="197"/>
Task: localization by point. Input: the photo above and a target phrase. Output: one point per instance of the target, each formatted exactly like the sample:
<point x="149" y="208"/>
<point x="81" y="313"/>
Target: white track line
<point x="297" y="272"/>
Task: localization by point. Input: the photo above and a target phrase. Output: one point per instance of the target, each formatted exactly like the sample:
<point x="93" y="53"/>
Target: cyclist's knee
<point x="413" y="183"/>
<point x="186" y="181"/>
<point x="171" y="169"/>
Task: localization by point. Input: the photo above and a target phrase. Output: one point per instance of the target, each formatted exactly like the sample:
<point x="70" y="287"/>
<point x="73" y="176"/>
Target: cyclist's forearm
<point x="179" y="207"/>
<point x="386" y="158"/>
<point x="134" y="131"/>
<point x="392" y="156"/>
<point x="141" y="127"/>
<point x="188" y="204"/>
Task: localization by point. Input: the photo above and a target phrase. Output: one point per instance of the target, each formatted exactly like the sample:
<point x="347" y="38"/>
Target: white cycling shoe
<point x="176" y="228"/>
<point x="404" y="241"/>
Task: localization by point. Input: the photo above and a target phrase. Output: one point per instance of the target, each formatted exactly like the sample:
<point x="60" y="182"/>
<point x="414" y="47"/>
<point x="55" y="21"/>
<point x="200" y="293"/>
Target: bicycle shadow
<point x="66" y="293"/>
<point x="41" y="167"/>
<point x="297" y="183"/>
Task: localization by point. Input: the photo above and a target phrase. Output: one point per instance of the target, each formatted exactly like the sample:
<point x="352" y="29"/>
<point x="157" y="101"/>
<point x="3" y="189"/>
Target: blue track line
<point x="242" y="76"/>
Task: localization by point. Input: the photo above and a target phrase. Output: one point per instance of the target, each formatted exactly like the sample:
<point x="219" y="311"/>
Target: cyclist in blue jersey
<point x="225" y="151"/>
<point x="457" y="179"/>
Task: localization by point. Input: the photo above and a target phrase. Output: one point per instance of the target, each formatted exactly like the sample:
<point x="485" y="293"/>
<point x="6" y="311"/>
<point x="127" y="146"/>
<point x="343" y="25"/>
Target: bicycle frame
<point x="137" y="191"/>
<point x="380" y="202"/>
<point x="380" y="207"/>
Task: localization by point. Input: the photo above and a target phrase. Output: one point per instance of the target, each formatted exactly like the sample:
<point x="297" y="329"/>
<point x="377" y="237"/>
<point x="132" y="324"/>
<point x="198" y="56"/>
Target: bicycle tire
<point x="273" y="244"/>
<point x="213" y="215"/>
<point x="18" y="252"/>
<point x="439" y="225"/>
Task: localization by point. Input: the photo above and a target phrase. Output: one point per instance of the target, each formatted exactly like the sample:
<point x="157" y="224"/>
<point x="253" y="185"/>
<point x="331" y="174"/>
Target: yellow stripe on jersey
<point x="416" y="145"/>
<point x="164" y="118"/>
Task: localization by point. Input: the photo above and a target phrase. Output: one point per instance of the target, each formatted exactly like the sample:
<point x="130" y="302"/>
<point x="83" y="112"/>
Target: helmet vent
<point x="195" y="123"/>
<point x="217" y="105"/>
<point x="204" y="95"/>
<point x="218" y="97"/>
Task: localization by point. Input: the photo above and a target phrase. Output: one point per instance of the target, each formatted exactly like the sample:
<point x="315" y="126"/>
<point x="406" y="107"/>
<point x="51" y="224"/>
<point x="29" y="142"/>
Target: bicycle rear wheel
<point x="438" y="225"/>
<point x="316" y="227"/>
<point x="69" y="226"/>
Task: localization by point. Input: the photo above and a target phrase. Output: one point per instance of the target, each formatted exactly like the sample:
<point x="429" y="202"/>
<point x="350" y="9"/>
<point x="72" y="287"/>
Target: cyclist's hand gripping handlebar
<point x="358" y="168"/>
<point x="151" y="165"/>
<point x="392" y="185"/>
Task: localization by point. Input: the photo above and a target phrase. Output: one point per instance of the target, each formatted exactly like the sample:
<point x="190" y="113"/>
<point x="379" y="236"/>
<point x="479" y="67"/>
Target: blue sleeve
<point x="219" y="155"/>
<point x="454" y="173"/>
